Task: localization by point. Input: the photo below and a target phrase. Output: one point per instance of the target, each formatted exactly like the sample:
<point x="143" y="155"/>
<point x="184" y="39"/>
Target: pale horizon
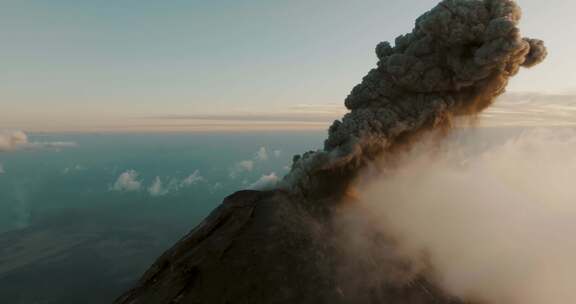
<point x="125" y="67"/>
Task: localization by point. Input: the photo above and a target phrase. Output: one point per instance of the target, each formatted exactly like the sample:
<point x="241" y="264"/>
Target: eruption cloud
<point x="455" y="62"/>
<point x="405" y="216"/>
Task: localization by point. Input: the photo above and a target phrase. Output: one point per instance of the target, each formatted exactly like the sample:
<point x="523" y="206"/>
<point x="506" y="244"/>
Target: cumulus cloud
<point x="12" y="140"/>
<point x="18" y="140"/>
<point x="261" y="154"/>
<point x="241" y="167"/>
<point x="127" y="181"/>
<point x="248" y="165"/>
<point x="496" y="226"/>
<point x="265" y="182"/>
<point x="192" y="179"/>
<point x="157" y="188"/>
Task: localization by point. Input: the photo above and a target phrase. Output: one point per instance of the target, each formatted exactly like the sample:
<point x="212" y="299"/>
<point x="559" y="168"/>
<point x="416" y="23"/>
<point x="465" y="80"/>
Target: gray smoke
<point x="455" y="62"/>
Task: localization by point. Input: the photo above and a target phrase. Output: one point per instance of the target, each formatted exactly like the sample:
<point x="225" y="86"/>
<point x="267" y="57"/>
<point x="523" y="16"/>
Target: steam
<point x="455" y="62"/>
<point x="496" y="227"/>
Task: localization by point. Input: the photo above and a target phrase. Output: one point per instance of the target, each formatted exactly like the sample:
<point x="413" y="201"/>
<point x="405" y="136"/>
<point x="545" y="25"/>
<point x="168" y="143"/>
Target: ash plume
<point x="455" y="62"/>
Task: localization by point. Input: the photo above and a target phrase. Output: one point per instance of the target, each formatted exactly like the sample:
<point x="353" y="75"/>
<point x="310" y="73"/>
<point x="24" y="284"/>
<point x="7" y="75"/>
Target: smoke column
<point x="455" y="62"/>
<point x="434" y="219"/>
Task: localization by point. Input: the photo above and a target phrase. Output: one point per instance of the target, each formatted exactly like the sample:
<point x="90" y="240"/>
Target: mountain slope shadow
<point x="264" y="247"/>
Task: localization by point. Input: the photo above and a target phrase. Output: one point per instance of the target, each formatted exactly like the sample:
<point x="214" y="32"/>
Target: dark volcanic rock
<point x="263" y="247"/>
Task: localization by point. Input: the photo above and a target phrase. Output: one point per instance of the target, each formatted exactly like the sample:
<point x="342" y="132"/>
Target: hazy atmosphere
<point x="226" y="65"/>
<point x="124" y="124"/>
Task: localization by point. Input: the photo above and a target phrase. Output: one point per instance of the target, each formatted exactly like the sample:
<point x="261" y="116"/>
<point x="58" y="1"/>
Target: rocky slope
<point x="264" y="247"/>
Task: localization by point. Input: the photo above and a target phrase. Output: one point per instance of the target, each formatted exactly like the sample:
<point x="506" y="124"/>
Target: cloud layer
<point x="18" y="140"/>
<point x="129" y="181"/>
<point x="530" y="110"/>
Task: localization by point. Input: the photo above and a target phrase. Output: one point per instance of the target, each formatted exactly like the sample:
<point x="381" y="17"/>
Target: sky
<point x="97" y="66"/>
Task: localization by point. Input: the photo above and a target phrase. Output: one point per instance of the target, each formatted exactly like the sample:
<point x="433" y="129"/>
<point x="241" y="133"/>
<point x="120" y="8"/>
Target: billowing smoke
<point x="491" y="227"/>
<point x="469" y="226"/>
<point x="455" y="62"/>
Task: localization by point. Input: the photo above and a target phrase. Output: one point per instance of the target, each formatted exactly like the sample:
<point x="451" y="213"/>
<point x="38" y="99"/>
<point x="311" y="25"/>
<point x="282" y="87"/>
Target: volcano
<point x="284" y="246"/>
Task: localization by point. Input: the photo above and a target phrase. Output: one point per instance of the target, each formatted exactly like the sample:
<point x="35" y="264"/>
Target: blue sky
<point x="127" y="65"/>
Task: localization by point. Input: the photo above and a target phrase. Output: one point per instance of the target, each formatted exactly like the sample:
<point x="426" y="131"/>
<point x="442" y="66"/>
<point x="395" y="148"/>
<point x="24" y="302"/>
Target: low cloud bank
<point x="129" y="181"/>
<point x="18" y="140"/>
<point x="495" y="227"/>
<point x="158" y="188"/>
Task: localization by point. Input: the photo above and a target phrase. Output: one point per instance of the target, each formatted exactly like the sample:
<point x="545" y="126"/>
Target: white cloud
<point x="277" y="153"/>
<point x="248" y="165"/>
<point x="240" y="167"/>
<point x="261" y="154"/>
<point x="157" y="189"/>
<point x="11" y="140"/>
<point x="73" y="168"/>
<point x="265" y="182"/>
<point x="57" y="145"/>
<point x="127" y="181"/>
<point x="18" y="140"/>
<point x="192" y="179"/>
